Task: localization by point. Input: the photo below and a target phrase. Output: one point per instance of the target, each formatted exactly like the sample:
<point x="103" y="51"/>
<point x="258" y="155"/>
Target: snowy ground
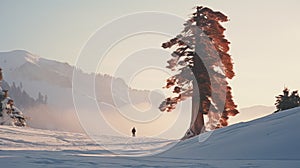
<point x="272" y="141"/>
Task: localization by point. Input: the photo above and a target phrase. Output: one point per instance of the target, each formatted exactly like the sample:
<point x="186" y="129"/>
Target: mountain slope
<point x="52" y="79"/>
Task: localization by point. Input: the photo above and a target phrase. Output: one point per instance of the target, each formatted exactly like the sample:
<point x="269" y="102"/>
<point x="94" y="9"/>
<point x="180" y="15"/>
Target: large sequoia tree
<point x="203" y="64"/>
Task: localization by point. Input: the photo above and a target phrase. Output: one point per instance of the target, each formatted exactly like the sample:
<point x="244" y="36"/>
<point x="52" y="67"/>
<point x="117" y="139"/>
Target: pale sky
<point x="264" y="35"/>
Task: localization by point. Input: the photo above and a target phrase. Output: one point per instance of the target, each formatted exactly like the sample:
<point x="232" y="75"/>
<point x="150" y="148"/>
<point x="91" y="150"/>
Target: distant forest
<point x="21" y="98"/>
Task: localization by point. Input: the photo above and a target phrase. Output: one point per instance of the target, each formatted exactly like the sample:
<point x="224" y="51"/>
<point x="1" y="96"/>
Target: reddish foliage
<point x="202" y="50"/>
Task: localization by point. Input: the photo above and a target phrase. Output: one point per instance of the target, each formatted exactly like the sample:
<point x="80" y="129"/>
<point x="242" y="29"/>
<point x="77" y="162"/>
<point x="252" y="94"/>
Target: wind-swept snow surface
<point x="272" y="141"/>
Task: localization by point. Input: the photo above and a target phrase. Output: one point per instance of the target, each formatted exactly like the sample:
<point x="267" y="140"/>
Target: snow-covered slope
<point x="17" y="139"/>
<point x="12" y="60"/>
<point x="269" y="142"/>
<point x="274" y="137"/>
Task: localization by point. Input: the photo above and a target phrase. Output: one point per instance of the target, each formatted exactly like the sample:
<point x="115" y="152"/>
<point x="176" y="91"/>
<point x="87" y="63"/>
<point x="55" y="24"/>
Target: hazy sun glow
<point x="264" y="38"/>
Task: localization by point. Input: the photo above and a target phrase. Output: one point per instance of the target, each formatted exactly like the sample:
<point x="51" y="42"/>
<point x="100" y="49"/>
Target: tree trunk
<point x="197" y="114"/>
<point x="197" y="120"/>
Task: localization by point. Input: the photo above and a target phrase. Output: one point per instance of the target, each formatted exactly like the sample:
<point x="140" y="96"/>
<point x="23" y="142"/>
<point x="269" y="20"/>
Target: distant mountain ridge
<point x="251" y="113"/>
<point x="52" y="79"/>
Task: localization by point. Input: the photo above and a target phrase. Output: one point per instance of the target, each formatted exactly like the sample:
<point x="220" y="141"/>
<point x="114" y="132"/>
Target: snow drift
<point x="271" y="137"/>
<point x="272" y="141"/>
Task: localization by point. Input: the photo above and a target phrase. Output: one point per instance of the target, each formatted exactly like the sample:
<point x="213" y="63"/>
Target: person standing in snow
<point x="133" y="131"/>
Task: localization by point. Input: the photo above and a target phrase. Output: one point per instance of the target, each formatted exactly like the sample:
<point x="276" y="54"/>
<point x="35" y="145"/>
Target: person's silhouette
<point x="133" y="131"/>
